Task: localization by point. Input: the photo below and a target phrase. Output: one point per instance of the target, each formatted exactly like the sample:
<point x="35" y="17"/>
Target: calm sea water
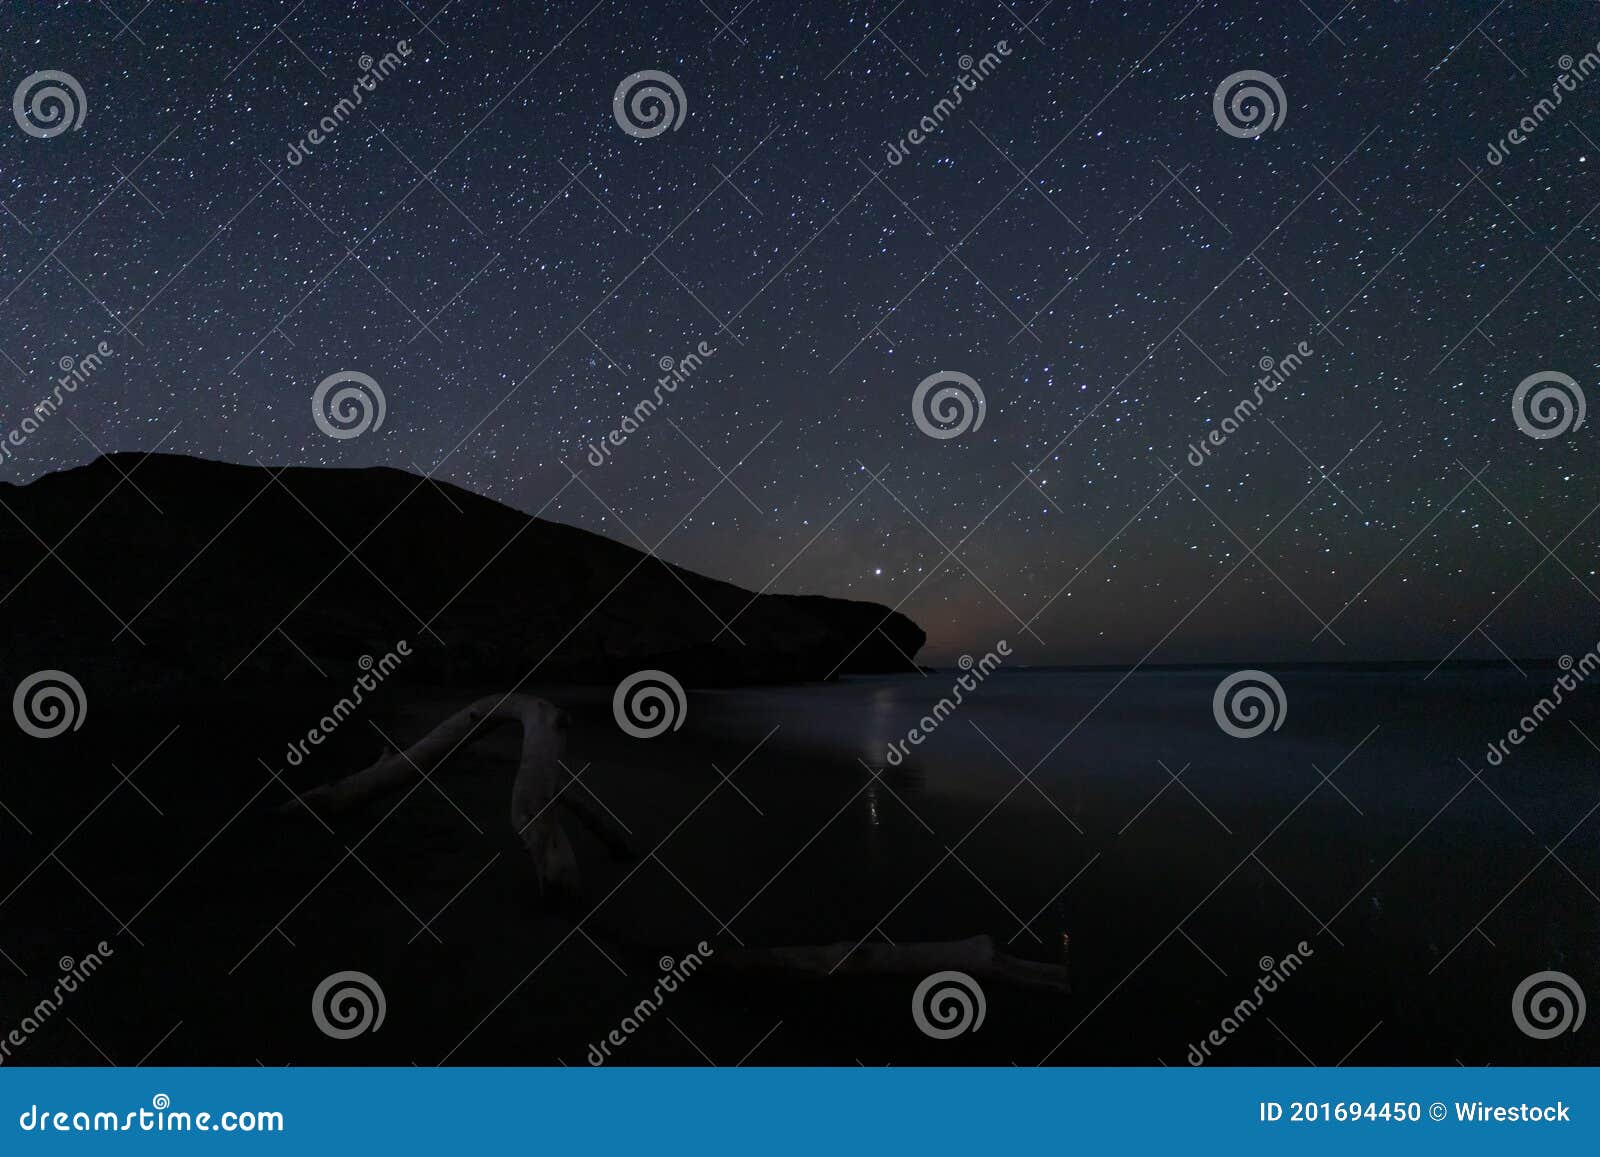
<point x="1113" y="811"/>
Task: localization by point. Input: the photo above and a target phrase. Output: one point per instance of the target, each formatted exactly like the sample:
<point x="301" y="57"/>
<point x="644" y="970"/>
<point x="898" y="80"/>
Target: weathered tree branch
<point x="533" y="793"/>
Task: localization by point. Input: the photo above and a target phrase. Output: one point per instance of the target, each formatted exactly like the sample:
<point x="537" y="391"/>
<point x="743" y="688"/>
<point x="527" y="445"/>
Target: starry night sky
<point x="1081" y="238"/>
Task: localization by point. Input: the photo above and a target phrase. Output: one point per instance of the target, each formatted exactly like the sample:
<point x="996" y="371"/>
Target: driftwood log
<point x="541" y="785"/>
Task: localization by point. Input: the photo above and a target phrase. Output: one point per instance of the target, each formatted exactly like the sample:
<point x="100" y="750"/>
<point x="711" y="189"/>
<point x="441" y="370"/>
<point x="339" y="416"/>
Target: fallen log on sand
<point x="541" y="784"/>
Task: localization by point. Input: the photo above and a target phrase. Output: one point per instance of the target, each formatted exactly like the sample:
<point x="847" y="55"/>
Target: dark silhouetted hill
<point x="244" y="573"/>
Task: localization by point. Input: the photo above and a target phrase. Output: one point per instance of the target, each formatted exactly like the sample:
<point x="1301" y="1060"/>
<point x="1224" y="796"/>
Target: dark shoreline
<point x="801" y="844"/>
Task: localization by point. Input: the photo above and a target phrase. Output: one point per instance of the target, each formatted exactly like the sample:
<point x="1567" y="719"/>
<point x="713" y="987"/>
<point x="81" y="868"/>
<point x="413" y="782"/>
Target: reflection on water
<point x="882" y="716"/>
<point x="1068" y="840"/>
<point x="1084" y="738"/>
